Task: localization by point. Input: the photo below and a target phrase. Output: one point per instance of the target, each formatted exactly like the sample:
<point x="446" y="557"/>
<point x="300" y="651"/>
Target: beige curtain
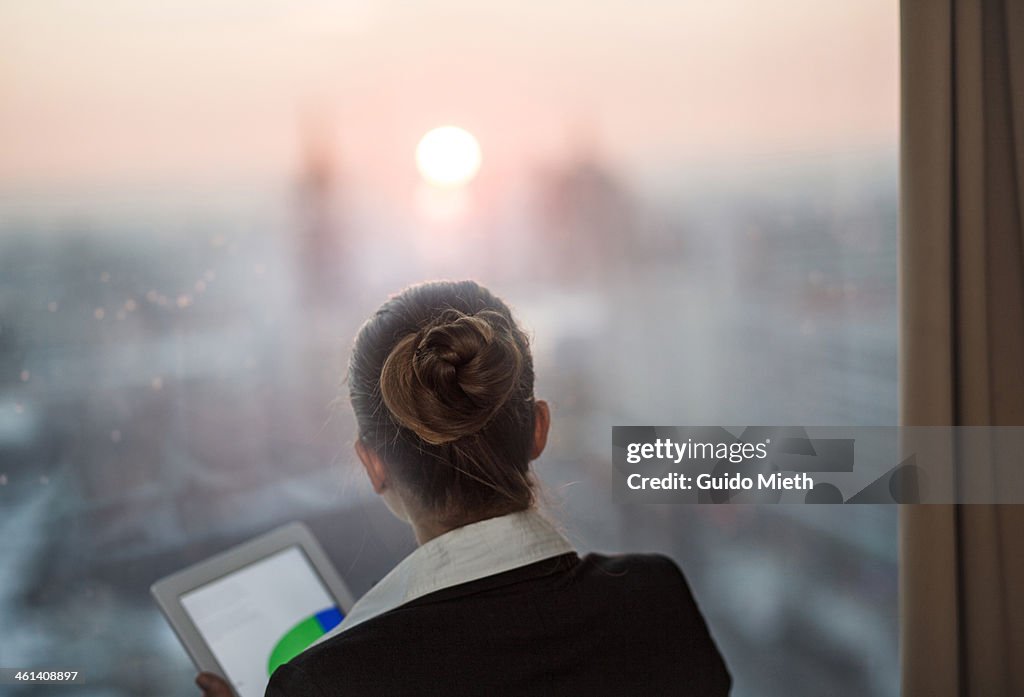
<point x="962" y="332"/>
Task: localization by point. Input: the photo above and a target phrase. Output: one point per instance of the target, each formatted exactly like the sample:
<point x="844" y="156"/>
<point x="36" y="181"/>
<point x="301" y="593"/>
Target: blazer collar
<point x="464" y="554"/>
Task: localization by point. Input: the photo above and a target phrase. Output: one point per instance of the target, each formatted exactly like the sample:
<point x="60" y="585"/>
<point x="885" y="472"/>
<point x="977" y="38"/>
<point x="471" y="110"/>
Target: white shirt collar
<point x="461" y="555"/>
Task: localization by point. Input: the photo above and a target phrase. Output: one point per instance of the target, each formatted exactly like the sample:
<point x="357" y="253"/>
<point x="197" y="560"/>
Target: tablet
<point x="247" y="610"/>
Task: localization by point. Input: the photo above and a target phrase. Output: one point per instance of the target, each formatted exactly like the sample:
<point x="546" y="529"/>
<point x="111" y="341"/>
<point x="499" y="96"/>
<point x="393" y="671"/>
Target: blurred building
<point x="588" y="220"/>
<point x="321" y="248"/>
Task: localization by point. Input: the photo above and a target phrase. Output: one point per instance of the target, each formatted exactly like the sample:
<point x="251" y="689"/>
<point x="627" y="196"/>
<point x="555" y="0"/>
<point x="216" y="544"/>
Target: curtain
<point x="962" y="332"/>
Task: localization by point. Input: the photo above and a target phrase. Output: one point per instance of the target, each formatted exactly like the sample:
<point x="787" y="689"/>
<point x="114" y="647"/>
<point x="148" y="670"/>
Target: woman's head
<point x="441" y="382"/>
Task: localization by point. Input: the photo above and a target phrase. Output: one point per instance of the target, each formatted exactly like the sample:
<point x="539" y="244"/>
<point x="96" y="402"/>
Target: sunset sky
<point x="121" y="90"/>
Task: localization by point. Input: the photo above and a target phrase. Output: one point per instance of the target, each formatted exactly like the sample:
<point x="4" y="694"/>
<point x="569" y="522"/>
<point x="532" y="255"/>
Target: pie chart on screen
<point x="298" y="638"/>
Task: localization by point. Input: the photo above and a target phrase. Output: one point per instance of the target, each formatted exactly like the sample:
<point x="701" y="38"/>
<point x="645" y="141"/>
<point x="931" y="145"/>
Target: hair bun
<point x="451" y="377"/>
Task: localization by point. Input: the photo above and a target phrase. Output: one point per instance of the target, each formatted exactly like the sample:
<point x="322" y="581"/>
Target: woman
<point x="494" y="601"/>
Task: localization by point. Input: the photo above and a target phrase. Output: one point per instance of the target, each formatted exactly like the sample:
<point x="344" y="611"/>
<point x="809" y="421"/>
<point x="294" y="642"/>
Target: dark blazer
<point x="600" y="625"/>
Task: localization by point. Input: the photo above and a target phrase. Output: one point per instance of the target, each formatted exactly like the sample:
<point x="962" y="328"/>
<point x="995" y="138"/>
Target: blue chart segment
<point x="329" y="618"/>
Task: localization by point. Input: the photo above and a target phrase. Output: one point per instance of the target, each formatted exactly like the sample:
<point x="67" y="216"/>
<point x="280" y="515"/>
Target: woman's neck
<point x="426" y="527"/>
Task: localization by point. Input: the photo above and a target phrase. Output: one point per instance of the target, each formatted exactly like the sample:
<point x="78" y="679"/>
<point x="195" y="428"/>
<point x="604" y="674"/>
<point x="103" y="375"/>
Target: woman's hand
<point x="213" y="685"/>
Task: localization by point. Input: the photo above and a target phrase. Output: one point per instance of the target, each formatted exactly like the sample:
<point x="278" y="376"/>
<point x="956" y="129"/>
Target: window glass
<point x="691" y="206"/>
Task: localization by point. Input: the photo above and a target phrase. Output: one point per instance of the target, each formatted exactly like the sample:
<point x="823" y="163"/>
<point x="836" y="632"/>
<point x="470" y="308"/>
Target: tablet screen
<point x="261" y="616"/>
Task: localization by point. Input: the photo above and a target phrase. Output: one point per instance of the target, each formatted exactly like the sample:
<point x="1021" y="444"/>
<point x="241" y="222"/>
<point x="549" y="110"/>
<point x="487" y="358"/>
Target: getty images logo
<point x="702" y="456"/>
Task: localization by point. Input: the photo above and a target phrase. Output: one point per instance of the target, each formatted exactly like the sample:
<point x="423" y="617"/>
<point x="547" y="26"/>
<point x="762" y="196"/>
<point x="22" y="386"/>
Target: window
<point x="693" y="207"/>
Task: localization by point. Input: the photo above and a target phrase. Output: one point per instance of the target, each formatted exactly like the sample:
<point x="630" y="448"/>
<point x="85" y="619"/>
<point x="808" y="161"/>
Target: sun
<point x="448" y="156"/>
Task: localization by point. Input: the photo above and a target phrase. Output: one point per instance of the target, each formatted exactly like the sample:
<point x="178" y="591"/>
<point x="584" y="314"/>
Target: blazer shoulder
<point x="642" y="567"/>
<point x="656" y="576"/>
<point x="291" y="680"/>
<point x="651" y="583"/>
<point x="353" y="659"/>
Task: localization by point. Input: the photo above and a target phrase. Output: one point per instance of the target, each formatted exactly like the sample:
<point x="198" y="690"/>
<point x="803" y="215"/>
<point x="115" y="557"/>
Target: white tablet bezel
<point x="168" y="591"/>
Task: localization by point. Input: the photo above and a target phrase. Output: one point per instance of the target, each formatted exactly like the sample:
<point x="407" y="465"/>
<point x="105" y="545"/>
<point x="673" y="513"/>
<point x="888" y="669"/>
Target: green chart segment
<point x="298" y="638"/>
